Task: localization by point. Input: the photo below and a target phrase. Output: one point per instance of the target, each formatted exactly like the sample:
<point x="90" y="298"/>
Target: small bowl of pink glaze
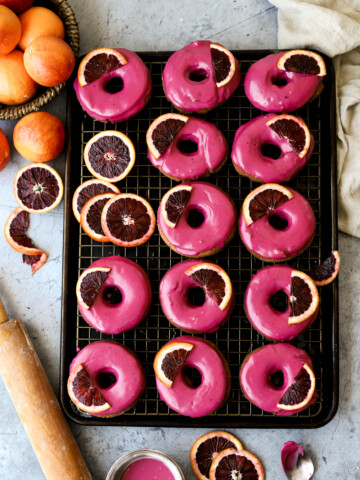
<point x="149" y="464"/>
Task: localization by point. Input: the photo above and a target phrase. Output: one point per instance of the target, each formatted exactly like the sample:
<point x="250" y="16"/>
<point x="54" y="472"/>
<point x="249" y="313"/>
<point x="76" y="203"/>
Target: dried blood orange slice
<point x="35" y="261"/>
<point x="97" y="62"/>
<point x="89" y="284"/>
<point x="38" y="188"/>
<point x="264" y="200"/>
<point x="84" y="393"/>
<point x="173" y="204"/>
<point x="232" y="464"/>
<point x="15" y="232"/>
<point x="304" y="297"/>
<point x="162" y="132"/>
<point x="87" y="190"/>
<point x="214" y="281"/>
<point x="90" y="218"/>
<point x="169" y="360"/>
<point x="207" y="447"/>
<point x="327" y="271"/>
<point x="109" y="155"/>
<point x="294" y="130"/>
<point x="302" y="61"/>
<point x="223" y="63"/>
<point x="128" y="220"/>
<point x="300" y="393"/>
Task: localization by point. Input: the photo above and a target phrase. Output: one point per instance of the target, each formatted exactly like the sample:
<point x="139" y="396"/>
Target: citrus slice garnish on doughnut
<point x="35" y="261"/>
<point x="214" y="281"/>
<point x="38" y="188"/>
<point x="207" y="447"/>
<point x="232" y="464"/>
<point x="89" y="284"/>
<point x="294" y="130"/>
<point x="169" y="360"/>
<point x="264" y="200"/>
<point x="109" y="155"/>
<point x="299" y="394"/>
<point x="304" y="297"/>
<point x="84" y="393"/>
<point x="15" y="232"/>
<point x="90" y="218"/>
<point x="174" y="203"/>
<point x="162" y="132"/>
<point x="302" y="61"/>
<point x="87" y="190"/>
<point x="128" y="220"/>
<point x="327" y="271"/>
<point x="97" y="62"/>
<point x="223" y="63"/>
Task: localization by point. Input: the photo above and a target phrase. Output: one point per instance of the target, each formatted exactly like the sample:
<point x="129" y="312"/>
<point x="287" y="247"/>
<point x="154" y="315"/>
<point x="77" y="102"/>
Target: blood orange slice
<point x="214" y="281"/>
<point x="223" y="63"/>
<point x="109" y="155"/>
<point x="327" y="271"/>
<point x="162" y="132"/>
<point x="302" y="61"/>
<point x="304" y="297"/>
<point x="38" y="188"/>
<point x="300" y="393"/>
<point x="89" y="284"/>
<point x="169" y="360"/>
<point x="35" y="261"/>
<point x="128" y="220"/>
<point x="173" y="204"/>
<point x="206" y="449"/>
<point x="294" y="130"/>
<point x="87" y="190"/>
<point x="15" y="232"/>
<point x="90" y="218"/>
<point x="84" y="393"/>
<point x="232" y="464"/>
<point x="97" y="62"/>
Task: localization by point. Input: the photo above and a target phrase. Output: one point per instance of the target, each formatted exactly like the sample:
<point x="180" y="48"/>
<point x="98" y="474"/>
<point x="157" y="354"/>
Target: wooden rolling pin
<point x="36" y="404"/>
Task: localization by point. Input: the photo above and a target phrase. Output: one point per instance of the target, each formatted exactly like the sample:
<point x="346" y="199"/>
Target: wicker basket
<point x="63" y="9"/>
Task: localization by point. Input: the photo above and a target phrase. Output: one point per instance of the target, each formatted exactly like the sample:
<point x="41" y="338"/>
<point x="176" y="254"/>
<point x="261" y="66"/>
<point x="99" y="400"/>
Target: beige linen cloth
<point x="333" y="27"/>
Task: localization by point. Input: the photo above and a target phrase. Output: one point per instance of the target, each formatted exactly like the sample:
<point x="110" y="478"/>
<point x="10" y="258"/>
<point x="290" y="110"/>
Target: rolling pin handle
<point x="3" y="315"/>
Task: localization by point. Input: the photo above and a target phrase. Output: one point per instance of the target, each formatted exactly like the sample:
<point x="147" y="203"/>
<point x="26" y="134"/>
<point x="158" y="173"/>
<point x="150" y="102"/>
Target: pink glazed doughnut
<point x="259" y="365"/>
<point x="273" y="90"/>
<point x="214" y="389"/>
<point x="190" y="78"/>
<point x="116" y="107"/>
<point x="134" y="285"/>
<point x="104" y="357"/>
<point x="249" y="160"/>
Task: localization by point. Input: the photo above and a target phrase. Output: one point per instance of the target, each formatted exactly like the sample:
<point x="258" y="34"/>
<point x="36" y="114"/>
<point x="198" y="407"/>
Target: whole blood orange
<point x="10" y="30"/>
<point x="17" y="5"/>
<point x="4" y="150"/>
<point x="39" y="22"/>
<point x="39" y="137"/>
<point x="16" y="86"/>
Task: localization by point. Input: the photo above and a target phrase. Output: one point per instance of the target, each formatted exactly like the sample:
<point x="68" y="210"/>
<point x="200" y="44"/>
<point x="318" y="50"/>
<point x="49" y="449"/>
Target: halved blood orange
<point x="263" y="200"/>
<point x="223" y="63"/>
<point x="109" y="155"/>
<point x="89" y="284"/>
<point x="35" y="261"/>
<point x="300" y="393"/>
<point x="87" y="190"/>
<point x="327" y="271"/>
<point x="294" y="130"/>
<point x="84" y="393"/>
<point x="214" y="281"/>
<point x="128" y="220"/>
<point x="15" y="232"/>
<point x="162" y="132"/>
<point x="90" y="218"/>
<point x="304" y="297"/>
<point x="169" y="360"/>
<point x="302" y="61"/>
<point x="232" y="464"/>
<point x="207" y="447"/>
<point x="97" y="62"/>
<point x="173" y="204"/>
<point x="38" y="188"/>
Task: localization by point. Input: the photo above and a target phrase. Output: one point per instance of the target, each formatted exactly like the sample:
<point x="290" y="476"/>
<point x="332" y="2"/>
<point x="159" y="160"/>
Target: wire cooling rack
<point x="317" y="182"/>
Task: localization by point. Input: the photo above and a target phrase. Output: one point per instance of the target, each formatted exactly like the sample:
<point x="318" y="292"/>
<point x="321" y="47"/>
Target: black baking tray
<point x="317" y="182"/>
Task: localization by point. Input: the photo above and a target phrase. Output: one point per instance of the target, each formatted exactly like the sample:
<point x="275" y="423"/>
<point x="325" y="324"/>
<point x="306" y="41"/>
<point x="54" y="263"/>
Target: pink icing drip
<point x="147" y="468"/>
<point x="290" y="453"/>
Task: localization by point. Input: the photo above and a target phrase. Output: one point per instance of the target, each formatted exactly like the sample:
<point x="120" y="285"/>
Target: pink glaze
<point x="247" y="155"/>
<point x="135" y="289"/>
<point x="111" y="357"/>
<point x="290" y="453"/>
<point x="267" y="242"/>
<point x="189" y="95"/>
<point x="220" y="217"/>
<point x="259" y="365"/>
<point x="147" y="468"/>
<point x="215" y="381"/>
<point x="174" y="289"/>
<point x="264" y="318"/>
<point x="212" y="148"/>
<point x="116" y="107"/>
<point x="265" y="95"/>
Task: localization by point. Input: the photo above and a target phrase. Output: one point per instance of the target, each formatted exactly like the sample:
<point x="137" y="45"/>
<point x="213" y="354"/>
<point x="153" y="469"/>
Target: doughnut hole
<point x="279" y="79"/>
<point x="276" y="379"/>
<point x="196" y="296"/>
<point x="105" y="379"/>
<point x="112" y="295"/>
<point x="271" y="151"/>
<point x="278" y="222"/>
<point x="114" y="85"/>
<point x="195" y="217"/>
<point x="197" y="74"/>
<point x="192" y="376"/>
<point x="279" y="301"/>
<point x="187" y="144"/>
